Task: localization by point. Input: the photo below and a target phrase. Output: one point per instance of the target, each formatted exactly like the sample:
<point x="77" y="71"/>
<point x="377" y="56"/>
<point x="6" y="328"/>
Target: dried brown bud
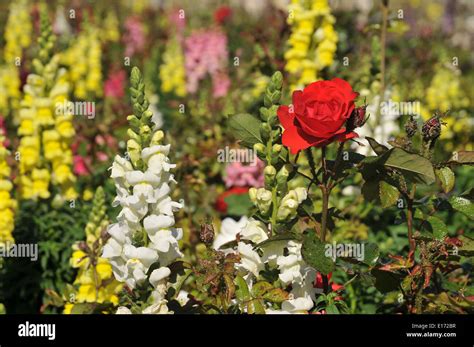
<point x="431" y="129"/>
<point x="411" y="127"/>
<point x="207" y="233"/>
<point x="357" y="118"/>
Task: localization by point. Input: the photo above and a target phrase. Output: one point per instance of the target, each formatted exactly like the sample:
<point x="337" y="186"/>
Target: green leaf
<point x="313" y="252"/>
<point x="446" y="177"/>
<point x="385" y="281"/>
<point x="413" y="166"/>
<point x="439" y="229"/>
<point x="276" y="295"/>
<point x="463" y="157"/>
<point x="255" y="306"/>
<point x="260" y="288"/>
<point x="370" y="190"/>
<point x="467" y="248"/>
<point x="378" y="148"/>
<point x="245" y="128"/>
<point x="371" y="254"/>
<point x="287" y="236"/>
<point x="242" y="290"/>
<point x="388" y="194"/>
<point x="332" y="309"/>
<point x="238" y="204"/>
<point x="462" y="205"/>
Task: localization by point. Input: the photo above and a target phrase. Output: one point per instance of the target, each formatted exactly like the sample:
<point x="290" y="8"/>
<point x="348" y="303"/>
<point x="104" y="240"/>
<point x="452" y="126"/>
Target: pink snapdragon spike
<point x="134" y="37"/>
<point x="240" y="175"/>
<point x="3" y="132"/>
<point x="80" y="166"/>
<point x="114" y="85"/>
<point x="206" y="53"/>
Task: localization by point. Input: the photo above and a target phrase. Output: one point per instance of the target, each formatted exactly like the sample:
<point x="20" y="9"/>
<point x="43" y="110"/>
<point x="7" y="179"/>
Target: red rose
<point x="318" y="115"/>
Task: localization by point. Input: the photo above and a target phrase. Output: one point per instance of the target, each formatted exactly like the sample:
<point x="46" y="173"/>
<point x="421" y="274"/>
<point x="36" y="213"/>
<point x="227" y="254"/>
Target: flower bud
<point x="259" y="148"/>
<point x="276" y="148"/>
<point x="265" y="130"/>
<point x="253" y="195"/>
<point x="156" y="138"/>
<point x="269" y="173"/>
<point x="263" y="199"/>
<point x="134" y="150"/>
<point x="431" y="129"/>
<point x="207" y="233"/>
<point x="357" y="118"/>
<point x="290" y="202"/>
<point x="411" y="127"/>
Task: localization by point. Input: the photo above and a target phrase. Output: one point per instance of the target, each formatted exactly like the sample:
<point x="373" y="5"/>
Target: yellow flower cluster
<point x="46" y="132"/>
<point x="7" y="204"/>
<point x="110" y="28"/>
<point x="446" y="93"/>
<point x="83" y="60"/>
<point x="18" y="31"/>
<point x="9" y="88"/>
<point x="172" y="72"/>
<point x="94" y="282"/>
<point x="313" y="40"/>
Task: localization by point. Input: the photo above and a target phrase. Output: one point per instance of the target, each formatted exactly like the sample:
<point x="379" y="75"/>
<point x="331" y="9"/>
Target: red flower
<point x="222" y="14"/>
<point x="318" y="283"/>
<point x="318" y="115"/>
<point x="221" y="205"/>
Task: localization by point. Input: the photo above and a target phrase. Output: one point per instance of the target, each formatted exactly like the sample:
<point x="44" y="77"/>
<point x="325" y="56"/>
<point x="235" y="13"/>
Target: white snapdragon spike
<point x="148" y="212"/>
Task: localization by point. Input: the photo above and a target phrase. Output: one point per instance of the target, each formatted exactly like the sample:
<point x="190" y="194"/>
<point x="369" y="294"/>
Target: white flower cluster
<point x="293" y="270"/>
<point x="144" y="233"/>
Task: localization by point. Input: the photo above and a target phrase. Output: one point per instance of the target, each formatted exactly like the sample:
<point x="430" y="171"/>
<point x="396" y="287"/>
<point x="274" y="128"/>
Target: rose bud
<point x="431" y="129"/>
<point x="411" y="127"/>
<point x="207" y="233"/>
<point x="357" y="118"/>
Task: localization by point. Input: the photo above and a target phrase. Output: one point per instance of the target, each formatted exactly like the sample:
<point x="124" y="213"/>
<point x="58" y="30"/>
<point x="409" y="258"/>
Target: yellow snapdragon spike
<point x="172" y="71"/>
<point x="8" y="205"/>
<point x="94" y="282"/>
<point x="46" y="130"/>
<point x="85" y="70"/>
<point x="312" y="43"/>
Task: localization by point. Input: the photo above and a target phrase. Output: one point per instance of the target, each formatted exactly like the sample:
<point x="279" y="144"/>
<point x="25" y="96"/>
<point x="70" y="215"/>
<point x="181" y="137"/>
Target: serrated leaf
<point x="388" y="194"/>
<point x="313" y="252"/>
<point x="378" y="148"/>
<point x="371" y="254"/>
<point x="414" y="167"/>
<point x="438" y="228"/>
<point x="276" y="295"/>
<point x="385" y="281"/>
<point x="241" y="290"/>
<point x="260" y="288"/>
<point x="467" y="248"/>
<point x="462" y="205"/>
<point x="447" y="178"/>
<point x="245" y="128"/>
<point x="255" y="306"/>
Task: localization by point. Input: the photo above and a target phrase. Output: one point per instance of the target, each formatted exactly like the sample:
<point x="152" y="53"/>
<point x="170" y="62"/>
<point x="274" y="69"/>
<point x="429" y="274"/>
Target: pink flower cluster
<point x="206" y="53"/>
<point x="114" y="86"/>
<point x="239" y="175"/>
<point x="134" y="37"/>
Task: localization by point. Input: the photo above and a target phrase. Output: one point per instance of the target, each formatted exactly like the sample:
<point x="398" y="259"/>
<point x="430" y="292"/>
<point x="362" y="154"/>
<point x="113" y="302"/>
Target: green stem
<point x="383" y="39"/>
